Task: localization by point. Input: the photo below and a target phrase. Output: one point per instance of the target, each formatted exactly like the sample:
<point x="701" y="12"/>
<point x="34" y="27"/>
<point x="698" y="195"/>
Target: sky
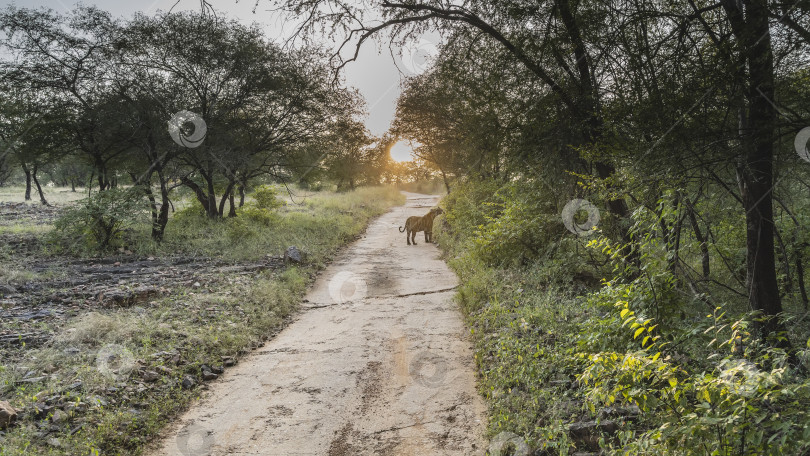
<point x="376" y="73"/>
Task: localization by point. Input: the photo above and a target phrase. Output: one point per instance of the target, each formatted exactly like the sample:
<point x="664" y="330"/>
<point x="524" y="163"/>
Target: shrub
<point x="98" y="222"/>
<point x="266" y="197"/>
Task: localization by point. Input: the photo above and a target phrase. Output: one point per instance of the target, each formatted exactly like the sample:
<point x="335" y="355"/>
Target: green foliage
<point x="97" y="223"/>
<point x="267" y="198"/>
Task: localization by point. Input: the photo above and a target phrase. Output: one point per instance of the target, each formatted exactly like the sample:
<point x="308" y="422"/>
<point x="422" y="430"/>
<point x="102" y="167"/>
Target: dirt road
<point x="378" y="362"/>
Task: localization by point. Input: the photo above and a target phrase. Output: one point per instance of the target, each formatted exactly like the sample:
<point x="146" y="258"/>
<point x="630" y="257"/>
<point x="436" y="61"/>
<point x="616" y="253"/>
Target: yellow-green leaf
<point x="638" y="332"/>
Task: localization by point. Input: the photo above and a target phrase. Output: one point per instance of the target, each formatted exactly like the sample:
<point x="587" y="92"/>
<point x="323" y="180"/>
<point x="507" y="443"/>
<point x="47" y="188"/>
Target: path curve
<point x="378" y="362"/>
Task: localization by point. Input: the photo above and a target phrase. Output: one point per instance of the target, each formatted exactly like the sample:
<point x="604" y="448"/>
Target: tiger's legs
<point x="413" y="237"/>
<point x="428" y="236"/>
<point x="408" y="235"/>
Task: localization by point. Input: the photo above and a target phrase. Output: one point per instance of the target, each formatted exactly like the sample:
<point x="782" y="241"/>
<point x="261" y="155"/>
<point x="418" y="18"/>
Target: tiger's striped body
<point x="416" y="224"/>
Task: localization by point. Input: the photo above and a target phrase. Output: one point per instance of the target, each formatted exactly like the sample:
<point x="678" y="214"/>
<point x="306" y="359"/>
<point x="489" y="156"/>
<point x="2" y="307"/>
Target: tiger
<point x="416" y="224"/>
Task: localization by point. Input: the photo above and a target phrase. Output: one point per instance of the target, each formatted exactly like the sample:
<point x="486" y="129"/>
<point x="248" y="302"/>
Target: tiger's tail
<point x="402" y="229"/>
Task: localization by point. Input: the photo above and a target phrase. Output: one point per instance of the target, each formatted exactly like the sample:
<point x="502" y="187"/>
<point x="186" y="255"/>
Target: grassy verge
<point x="109" y="379"/>
<point x="572" y="361"/>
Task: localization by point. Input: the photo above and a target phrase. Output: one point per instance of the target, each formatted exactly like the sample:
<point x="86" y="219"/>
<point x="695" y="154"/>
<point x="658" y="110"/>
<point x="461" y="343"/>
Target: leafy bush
<point x="98" y="222"/>
<point x="266" y="197"/>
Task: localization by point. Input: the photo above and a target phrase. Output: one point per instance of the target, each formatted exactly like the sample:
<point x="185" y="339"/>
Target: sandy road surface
<point x="379" y="362"/>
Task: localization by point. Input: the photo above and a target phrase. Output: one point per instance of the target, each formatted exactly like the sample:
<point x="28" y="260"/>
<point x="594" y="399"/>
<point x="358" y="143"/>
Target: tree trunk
<point x="159" y="227"/>
<point x="208" y="201"/>
<point x="446" y="183"/>
<point x="39" y="188"/>
<point x="241" y="195"/>
<point x="756" y="171"/>
<point x="27" y="182"/>
<point x="232" y="210"/>
<point x="225" y="197"/>
<point x="704" y="240"/>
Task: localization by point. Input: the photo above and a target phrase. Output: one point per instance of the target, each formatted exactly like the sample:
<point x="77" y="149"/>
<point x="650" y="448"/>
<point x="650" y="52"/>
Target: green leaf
<point x="638" y="332"/>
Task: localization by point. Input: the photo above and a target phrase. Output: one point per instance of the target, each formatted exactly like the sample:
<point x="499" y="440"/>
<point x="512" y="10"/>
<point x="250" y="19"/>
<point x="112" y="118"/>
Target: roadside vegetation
<point x="575" y="356"/>
<point x="108" y="374"/>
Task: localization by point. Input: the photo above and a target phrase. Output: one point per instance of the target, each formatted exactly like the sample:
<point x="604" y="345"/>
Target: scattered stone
<point x="117" y="263"/>
<point x="189" y="382"/>
<point x="586" y="433"/>
<point x="228" y="361"/>
<point x="150" y="376"/>
<point x="59" y="416"/>
<point x="196" y="285"/>
<point x="54" y="442"/>
<point x="207" y="373"/>
<point x="208" y="376"/>
<point x="7" y="414"/>
<point x="164" y="369"/>
<point x="217" y="370"/>
<point x="293" y="254"/>
<point x="41" y="410"/>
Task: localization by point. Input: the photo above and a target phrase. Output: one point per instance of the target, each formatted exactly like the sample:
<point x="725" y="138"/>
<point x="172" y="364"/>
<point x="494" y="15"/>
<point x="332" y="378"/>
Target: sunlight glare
<point x="401" y="152"/>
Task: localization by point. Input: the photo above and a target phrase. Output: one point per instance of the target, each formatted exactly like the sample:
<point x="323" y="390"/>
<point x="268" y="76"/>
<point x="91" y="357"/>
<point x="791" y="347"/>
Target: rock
<point x="196" y="285"/>
<point x="7" y="414"/>
<point x="217" y="370"/>
<point x="228" y="361"/>
<point x="150" y="376"/>
<point x="59" y="416"/>
<point x="189" y="382"/>
<point x="117" y="263"/>
<point x="208" y="376"/>
<point x="586" y="433"/>
<point x="294" y="255"/>
<point x="164" y="369"/>
<point x="207" y="373"/>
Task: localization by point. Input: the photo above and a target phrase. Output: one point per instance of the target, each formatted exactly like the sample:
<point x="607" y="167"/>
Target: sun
<point x="401" y="151"/>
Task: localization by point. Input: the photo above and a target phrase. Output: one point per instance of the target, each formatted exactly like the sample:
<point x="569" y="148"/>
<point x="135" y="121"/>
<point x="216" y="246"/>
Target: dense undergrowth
<point x="90" y="393"/>
<point x="578" y="356"/>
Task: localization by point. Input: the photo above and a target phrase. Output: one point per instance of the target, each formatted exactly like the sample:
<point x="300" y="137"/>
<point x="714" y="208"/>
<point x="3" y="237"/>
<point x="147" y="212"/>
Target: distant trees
<point x="178" y="99"/>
